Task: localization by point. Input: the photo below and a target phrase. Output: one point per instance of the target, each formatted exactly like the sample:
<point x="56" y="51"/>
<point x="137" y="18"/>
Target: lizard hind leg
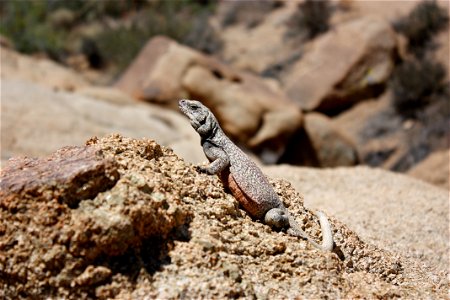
<point x="277" y="218"/>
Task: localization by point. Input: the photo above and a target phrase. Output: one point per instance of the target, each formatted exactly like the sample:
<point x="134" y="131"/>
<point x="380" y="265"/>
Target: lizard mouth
<point x="186" y="109"/>
<point x="182" y="105"/>
<point x="195" y="112"/>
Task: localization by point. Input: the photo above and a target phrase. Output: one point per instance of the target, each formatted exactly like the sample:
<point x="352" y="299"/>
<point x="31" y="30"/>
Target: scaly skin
<point x="243" y="177"/>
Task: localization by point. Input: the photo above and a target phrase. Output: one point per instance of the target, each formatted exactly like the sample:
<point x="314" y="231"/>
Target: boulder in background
<point x="320" y="143"/>
<point x="336" y="72"/>
<point x="40" y="71"/>
<point x="39" y="120"/>
<point x="434" y="169"/>
<point x="251" y="111"/>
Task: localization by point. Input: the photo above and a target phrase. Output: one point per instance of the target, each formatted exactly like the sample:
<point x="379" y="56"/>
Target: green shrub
<point x="119" y="46"/>
<point x="174" y="19"/>
<point x="24" y="22"/>
<point x="249" y="13"/>
<point x="202" y="36"/>
<point x="312" y="18"/>
<point x="415" y="84"/>
<point x="28" y="24"/>
<point x="425" y="20"/>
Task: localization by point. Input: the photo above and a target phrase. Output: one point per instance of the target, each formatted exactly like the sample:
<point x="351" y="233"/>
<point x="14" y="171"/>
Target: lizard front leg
<point x="218" y="158"/>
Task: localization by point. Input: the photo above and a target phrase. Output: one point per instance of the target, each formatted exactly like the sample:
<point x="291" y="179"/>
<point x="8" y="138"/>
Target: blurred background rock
<point x="315" y="83"/>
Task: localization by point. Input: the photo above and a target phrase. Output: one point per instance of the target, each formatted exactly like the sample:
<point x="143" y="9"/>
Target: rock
<point x="321" y="144"/>
<point x="251" y="111"/>
<point x="386" y="152"/>
<point x="250" y="14"/>
<point x="107" y="216"/>
<point x="331" y="146"/>
<point x="155" y="74"/>
<point x="393" y="211"/>
<point x="62" y="17"/>
<point x="39" y="121"/>
<point x="385" y="139"/>
<point x="25" y="177"/>
<point x="257" y="47"/>
<point x="92" y="275"/>
<point x="356" y="121"/>
<point x="373" y="127"/>
<point x="336" y="72"/>
<point x="5" y="43"/>
<point x="40" y="71"/>
<point x="391" y="11"/>
<point x="441" y="54"/>
<point x="165" y="231"/>
<point x="108" y="94"/>
<point x="434" y="169"/>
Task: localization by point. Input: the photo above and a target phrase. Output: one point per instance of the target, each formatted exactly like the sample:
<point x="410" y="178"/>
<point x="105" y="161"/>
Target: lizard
<point x="243" y="178"/>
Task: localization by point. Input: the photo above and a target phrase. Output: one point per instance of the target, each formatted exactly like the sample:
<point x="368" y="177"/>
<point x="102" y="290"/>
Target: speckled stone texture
<point x="162" y="230"/>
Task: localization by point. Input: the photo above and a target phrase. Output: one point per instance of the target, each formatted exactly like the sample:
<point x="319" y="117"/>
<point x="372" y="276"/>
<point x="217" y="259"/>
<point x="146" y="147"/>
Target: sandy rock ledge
<point x="143" y="223"/>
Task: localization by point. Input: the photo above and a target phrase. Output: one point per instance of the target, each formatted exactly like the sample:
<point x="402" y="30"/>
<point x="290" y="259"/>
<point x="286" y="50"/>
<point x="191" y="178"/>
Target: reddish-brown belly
<point x="249" y="205"/>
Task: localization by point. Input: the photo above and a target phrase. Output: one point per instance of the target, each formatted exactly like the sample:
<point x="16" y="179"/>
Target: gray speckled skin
<point x="243" y="177"/>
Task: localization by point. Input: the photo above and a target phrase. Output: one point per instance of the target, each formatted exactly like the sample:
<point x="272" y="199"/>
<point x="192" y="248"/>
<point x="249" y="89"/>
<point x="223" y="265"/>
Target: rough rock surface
<point x="354" y="121"/>
<point x="250" y="110"/>
<point x="108" y="94"/>
<point x="393" y="211"/>
<point x="320" y="143"/>
<point x="39" y="120"/>
<point x="72" y="220"/>
<point x="376" y="130"/>
<point x="40" y="71"/>
<point x="391" y="11"/>
<point x="434" y="169"/>
<point x="165" y="231"/>
<point x="51" y="178"/>
<point x="383" y="138"/>
<point x="258" y="46"/>
<point x="335" y="71"/>
<point x="5" y="42"/>
<point x="330" y="144"/>
<point x="155" y="74"/>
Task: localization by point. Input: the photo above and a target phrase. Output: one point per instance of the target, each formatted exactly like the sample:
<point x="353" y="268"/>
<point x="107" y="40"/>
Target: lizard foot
<point x="277" y="218"/>
<point x="203" y="170"/>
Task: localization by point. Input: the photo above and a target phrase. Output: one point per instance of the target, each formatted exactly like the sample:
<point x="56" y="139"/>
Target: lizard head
<point x="195" y="111"/>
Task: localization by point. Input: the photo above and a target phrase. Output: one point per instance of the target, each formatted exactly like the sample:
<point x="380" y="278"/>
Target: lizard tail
<point x="327" y="234"/>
